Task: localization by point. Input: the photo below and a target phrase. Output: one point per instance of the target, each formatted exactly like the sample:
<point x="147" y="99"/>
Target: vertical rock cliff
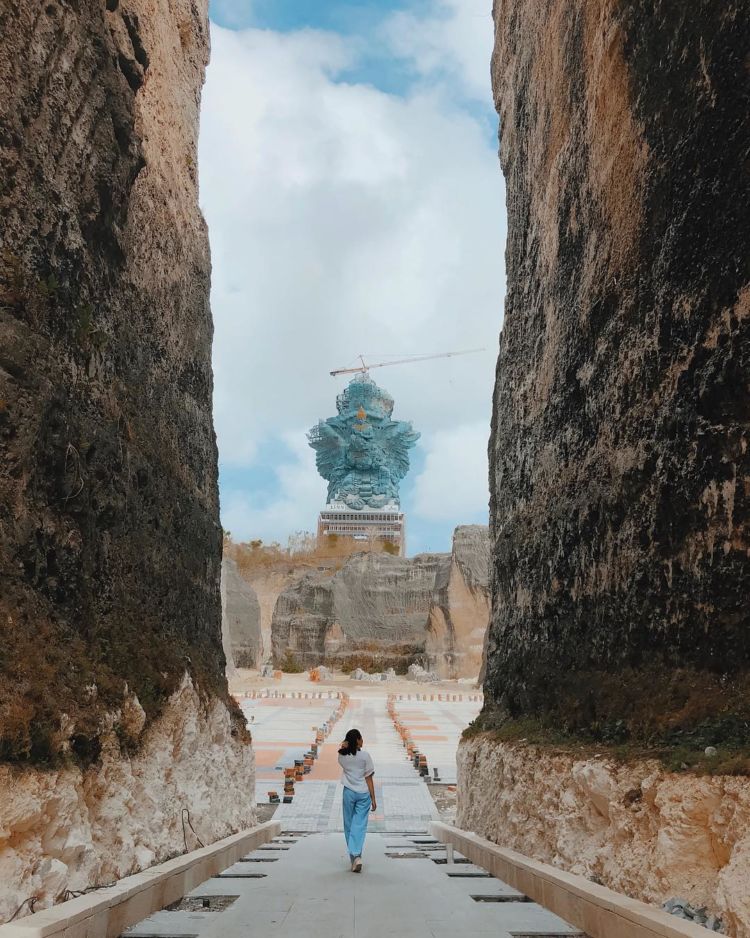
<point x="110" y="545"/>
<point x="619" y="448"/>
<point x="380" y="611"/>
<point x="619" y="462"/>
<point x="460" y="607"/>
<point x="241" y="618"/>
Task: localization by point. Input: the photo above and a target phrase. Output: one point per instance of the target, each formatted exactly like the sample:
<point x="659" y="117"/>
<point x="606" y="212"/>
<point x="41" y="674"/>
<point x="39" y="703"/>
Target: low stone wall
<point x="599" y="911"/>
<point x="108" y="912"/>
<point x="647" y="833"/>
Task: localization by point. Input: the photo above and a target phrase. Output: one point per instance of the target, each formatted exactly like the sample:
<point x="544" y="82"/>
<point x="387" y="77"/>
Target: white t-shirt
<point x="356" y="769"/>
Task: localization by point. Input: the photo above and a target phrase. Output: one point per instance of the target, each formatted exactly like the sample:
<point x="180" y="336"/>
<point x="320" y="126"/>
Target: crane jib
<point x="363" y="368"/>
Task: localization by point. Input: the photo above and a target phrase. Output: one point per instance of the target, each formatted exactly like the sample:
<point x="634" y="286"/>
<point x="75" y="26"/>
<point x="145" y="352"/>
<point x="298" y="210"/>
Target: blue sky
<point x="350" y="182"/>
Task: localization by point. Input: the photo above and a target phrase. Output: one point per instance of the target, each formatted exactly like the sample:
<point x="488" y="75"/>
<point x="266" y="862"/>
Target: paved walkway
<point x="301" y="883"/>
<point x="283" y="730"/>
<point x="308" y="890"/>
<point x="404" y="801"/>
<point x="436" y="727"/>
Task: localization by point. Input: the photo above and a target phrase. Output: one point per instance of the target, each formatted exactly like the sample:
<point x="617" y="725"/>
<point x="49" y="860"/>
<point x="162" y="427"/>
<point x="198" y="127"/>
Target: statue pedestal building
<point x="370" y="526"/>
<point x="363" y="454"/>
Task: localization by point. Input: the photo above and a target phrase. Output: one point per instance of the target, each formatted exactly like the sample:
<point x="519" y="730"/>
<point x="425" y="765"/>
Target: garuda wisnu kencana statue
<point x="362" y="453"/>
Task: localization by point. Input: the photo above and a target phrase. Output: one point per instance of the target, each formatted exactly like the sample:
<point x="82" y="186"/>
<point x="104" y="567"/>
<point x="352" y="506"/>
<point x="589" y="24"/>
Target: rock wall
<point x="71" y="828"/>
<point x="268" y="586"/>
<point x="110" y="541"/>
<point x="460" y="607"/>
<point x="647" y="833"/>
<point x="240" y="611"/>
<point x="619" y="448"/>
<point x="371" y="614"/>
<point x="619" y="459"/>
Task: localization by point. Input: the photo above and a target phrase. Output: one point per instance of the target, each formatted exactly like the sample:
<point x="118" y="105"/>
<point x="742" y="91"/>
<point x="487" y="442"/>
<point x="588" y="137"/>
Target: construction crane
<point x="364" y="367"/>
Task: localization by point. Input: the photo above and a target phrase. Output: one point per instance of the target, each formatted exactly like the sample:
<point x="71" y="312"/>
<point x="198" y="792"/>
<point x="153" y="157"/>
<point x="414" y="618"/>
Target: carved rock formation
<point x="638" y="829"/>
<point x="268" y="585"/>
<point x="370" y="614"/>
<point x="240" y="611"/>
<point x="619" y="451"/>
<point x="380" y="611"/>
<point x="460" y="607"/>
<point x="110" y="540"/>
<point x="619" y="457"/>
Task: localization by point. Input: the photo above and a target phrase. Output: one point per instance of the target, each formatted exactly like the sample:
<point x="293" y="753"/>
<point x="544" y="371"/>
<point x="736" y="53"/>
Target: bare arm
<point x="371" y="789"/>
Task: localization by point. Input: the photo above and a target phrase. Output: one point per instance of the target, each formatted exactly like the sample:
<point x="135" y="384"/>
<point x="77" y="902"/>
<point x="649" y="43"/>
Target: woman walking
<point x="359" y="794"/>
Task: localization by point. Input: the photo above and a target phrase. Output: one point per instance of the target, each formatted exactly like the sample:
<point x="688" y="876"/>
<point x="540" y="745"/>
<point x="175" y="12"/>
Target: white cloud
<point x="342" y="220"/>
<point x="450" y="42"/>
<point x="453" y="484"/>
<point x="301" y="495"/>
<point x="233" y="13"/>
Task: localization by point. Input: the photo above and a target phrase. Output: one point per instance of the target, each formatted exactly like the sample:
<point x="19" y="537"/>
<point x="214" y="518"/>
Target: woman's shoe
<point x="357" y="865"/>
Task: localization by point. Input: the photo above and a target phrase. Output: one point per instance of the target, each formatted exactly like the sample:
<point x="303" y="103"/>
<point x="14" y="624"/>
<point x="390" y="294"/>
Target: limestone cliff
<point x="241" y="623"/>
<point x="619" y="449"/>
<point x="72" y="827"/>
<point x="267" y="586"/>
<point x="460" y="606"/>
<point x="645" y="832"/>
<point x="110" y="541"/>
<point x="619" y="457"/>
<point x="370" y="614"/>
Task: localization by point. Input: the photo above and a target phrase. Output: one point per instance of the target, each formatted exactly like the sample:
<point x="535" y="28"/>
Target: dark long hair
<point x="350" y="744"/>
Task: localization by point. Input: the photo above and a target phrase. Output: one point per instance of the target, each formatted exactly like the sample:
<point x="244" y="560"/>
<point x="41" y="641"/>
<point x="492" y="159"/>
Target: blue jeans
<point x="356" y="808"/>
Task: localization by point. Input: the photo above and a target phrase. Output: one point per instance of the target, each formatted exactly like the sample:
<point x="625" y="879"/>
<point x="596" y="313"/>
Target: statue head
<point x="363" y="394"/>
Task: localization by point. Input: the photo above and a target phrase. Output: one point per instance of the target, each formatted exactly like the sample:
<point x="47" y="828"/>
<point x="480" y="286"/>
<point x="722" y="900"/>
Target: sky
<point x="355" y="204"/>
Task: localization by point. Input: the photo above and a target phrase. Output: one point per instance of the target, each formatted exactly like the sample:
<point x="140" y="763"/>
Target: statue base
<point x="371" y="526"/>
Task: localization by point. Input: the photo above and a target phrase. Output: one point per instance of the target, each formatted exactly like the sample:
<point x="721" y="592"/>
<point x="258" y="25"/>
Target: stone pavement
<point x="307" y="889"/>
<point x="404" y="801"/>
<point x="436" y="726"/>
<point x="282" y="729"/>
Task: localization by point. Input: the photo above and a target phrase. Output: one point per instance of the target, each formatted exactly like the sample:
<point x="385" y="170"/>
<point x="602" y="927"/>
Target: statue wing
<point x="396" y="440"/>
<point x="330" y="450"/>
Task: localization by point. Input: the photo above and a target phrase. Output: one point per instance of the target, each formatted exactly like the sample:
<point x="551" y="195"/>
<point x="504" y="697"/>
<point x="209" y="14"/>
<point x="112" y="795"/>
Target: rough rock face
<point x="108" y="501"/>
<point x="370" y="614"/>
<point x="240" y="617"/>
<point x="619" y="449"/>
<point x="71" y="828"/>
<point x="268" y="585"/>
<point x="618" y="457"/>
<point x="649" y="834"/>
<point x="109" y="531"/>
<point x="460" y="607"/>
